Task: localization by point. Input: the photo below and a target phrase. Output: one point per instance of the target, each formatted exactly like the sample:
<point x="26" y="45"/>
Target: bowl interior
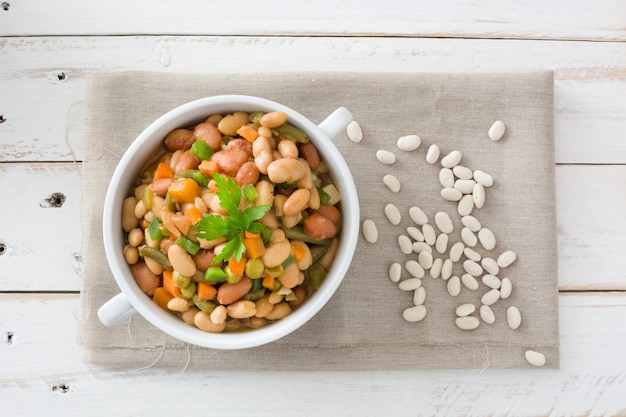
<point x="127" y="172"/>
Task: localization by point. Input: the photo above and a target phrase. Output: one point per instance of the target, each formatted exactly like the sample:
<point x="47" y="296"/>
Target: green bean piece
<point x="201" y="150"/>
<point x="257" y="284"/>
<point x="317" y="251"/>
<point x="155" y="254"/>
<point x="249" y="192"/>
<point x="214" y="275"/>
<point x="324" y="196"/>
<point x="189" y="291"/>
<point x="315" y="276"/>
<point x="206" y="306"/>
<point x="255" y="116"/>
<point x="254" y="295"/>
<point x="266" y="235"/>
<point x="287" y="185"/>
<point x="180" y="280"/>
<point x="189" y="245"/>
<point x="290" y="259"/>
<point x="154" y="229"/>
<point x="291" y="296"/>
<point x="289" y="132"/>
<point x="254" y="268"/>
<point x="231" y="277"/>
<point x="297" y="233"/>
<point x="147" y="197"/>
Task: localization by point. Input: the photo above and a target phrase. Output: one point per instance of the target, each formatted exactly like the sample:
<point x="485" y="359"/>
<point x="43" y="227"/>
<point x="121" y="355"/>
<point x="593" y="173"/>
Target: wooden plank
<point x="43" y="245"/>
<point x="534" y="19"/>
<point x="42" y="372"/>
<point x="44" y="115"/>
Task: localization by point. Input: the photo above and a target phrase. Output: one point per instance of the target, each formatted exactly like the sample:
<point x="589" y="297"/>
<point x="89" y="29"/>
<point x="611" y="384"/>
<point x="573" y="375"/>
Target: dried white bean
<point x="385" y="157"/>
<point x="490" y="265"/>
<point x="462" y="172"/>
<point x="441" y="244"/>
<point x="419" y="247"/>
<point x="456" y="251"/>
<point x="471" y="223"/>
<point x="354" y="132"/>
<point x="419" y="296"/>
<point x="425" y="259"/>
<point x="465" y="186"/>
<point x="467" y="323"/>
<point x="432" y="155"/>
<point x="486" y="314"/>
<point x="430" y="236"/>
<point x="483" y="178"/>
<point x="393" y="214"/>
<point x="446" y="269"/>
<point x="392" y="183"/>
<point x="506" y="288"/>
<point x="453" y="285"/>
<point x="487" y="238"/>
<point x="435" y="269"/>
<point x="443" y="222"/>
<point x="468" y="237"/>
<point x="491" y="281"/>
<point x="469" y="281"/>
<point x="466" y="205"/>
<point x="513" y="317"/>
<point x="414" y="268"/>
<point x="418" y="216"/>
<point x="415" y="233"/>
<point x="496" y="131"/>
<point x="409" y="142"/>
<point x="535" y="358"/>
<point x="478" y="194"/>
<point x="414" y="314"/>
<point x="472" y="254"/>
<point x="370" y="231"/>
<point x="446" y="177"/>
<point x="472" y="268"/>
<point x="506" y="258"/>
<point x="405" y="244"/>
<point x="410" y="284"/>
<point x="465" y="309"/>
<point x="452" y="159"/>
<point x="451" y="194"/>
<point x="490" y="297"/>
<point x="395" y="271"/>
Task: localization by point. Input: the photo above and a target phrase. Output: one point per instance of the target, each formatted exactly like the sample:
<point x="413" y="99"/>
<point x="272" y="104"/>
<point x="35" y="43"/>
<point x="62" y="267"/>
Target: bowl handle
<point x="115" y="310"/>
<point x="336" y="122"/>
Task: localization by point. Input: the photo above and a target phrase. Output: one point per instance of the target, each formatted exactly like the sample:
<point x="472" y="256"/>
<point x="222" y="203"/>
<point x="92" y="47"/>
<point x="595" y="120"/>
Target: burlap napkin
<point x="362" y="326"/>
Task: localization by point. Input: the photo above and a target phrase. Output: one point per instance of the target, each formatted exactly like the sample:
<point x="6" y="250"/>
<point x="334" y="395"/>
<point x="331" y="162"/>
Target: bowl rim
<point x="125" y="175"/>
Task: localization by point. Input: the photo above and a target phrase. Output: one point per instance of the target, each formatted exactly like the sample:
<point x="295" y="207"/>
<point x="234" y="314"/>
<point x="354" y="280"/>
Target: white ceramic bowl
<point x="132" y="299"/>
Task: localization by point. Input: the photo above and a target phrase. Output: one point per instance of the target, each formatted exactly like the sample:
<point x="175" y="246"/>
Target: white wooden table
<point x="47" y="49"/>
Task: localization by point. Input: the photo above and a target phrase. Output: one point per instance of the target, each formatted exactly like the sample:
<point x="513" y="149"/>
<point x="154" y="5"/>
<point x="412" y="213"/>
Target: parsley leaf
<point x="232" y="226"/>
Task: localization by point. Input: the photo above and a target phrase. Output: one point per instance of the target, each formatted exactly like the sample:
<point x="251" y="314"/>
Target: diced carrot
<point x="168" y="283"/>
<point x="251" y="235"/>
<point x="194" y="214"/>
<point x="237" y="266"/>
<point x="163" y="171"/>
<point x="254" y="247"/>
<point x="247" y="133"/>
<point x="298" y="251"/>
<point x="209" y="167"/>
<point x="161" y="297"/>
<point x="184" y="190"/>
<point x="206" y="292"/>
<point x="268" y="282"/>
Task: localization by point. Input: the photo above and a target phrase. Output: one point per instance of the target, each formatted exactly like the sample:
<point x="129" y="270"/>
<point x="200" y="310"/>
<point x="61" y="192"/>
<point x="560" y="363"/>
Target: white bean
<point x="470" y="282"/>
<point x="435" y="268"/>
<point x="409" y="142"/>
<point x="432" y="155"/>
<point x="466" y="205"/>
<point x="419" y="296"/>
<point x="453" y="285"/>
<point x="471" y="223"/>
<point x="472" y="268"/>
<point x="478" y="194"/>
<point x="513" y="317"/>
<point x="506" y="258"/>
<point x="487" y="238"/>
<point x="410" y="284"/>
<point x="355" y="134"/>
<point x="415" y="233"/>
<point x="418" y="216"/>
<point x="486" y="314"/>
<point x="490" y="297"/>
<point x="535" y="358"/>
<point x="393" y="214"/>
<point x="415" y="313"/>
<point x="490" y="265"/>
<point x="452" y="159"/>
<point x="467" y="322"/>
<point x="443" y="222"/>
<point x="385" y="157"/>
<point x="451" y="194"/>
<point x="414" y="268"/>
<point x="392" y="183"/>
<point x="425" y="259"/>
<point x="462" y="172"/>
<point x="446" y="177"/>
<point x="506" y="288"/>
<point x="456" y="251"/>
<point x="468" y="237"/>
<point x="465" y="186"/>
<point x="405" y="244"/>
<point x="446" y="269"/>
<point x="491" y="281"/>
<point x="419" y="247"/>
<point x="496" y="131"/>
<point x="441" y="244"/>
<point x="370" y="232"/>
<point x="465" y="309"/>
<point x="430" y="236"/>
<point x="395" y="271"/>
<point x="483" y="178"/>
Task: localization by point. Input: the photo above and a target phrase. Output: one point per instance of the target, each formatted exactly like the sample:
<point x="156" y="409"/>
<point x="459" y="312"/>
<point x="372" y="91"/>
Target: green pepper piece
<point x="147" y="197"/>
<point x="324" y="196"/>
<point x="189" y="245"/>
<point x="249" y="192"/>
<point x="206" y="306"/>
<point x="201" y="150"/>
<point x="214" y="275"/>
<point x="154" y="229"/>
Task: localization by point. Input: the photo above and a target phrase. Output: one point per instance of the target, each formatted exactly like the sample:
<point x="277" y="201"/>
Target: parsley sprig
<point x="233" y="226"/>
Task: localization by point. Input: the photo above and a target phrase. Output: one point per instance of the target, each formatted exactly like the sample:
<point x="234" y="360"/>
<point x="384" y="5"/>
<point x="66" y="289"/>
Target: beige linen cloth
<point x="362" y="328"/>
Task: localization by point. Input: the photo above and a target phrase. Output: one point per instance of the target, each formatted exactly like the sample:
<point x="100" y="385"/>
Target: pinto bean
<point x="204" y="259"/>
<point x="229" y="293"/>
<point x="209" y="133"/>
<point x="230" y="160"/>
<point x="187" y="160"/>
<point x="241" y="144"/>
<point x="145" y="279"/>
<point x="247" y="174"/>
<point x="319" y="227"/>
<point x="331" y="212"/>
<point x="310" y="154"/>
<point x="159" y="187"/>
<point x="179" y="139"/>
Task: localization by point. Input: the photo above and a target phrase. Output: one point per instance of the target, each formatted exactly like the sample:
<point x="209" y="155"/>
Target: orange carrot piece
<point x="254" y="247"/>
<point x="237" y="266"/>
<point x="206" y="292"/>
<point x="161" y="297"/>
<point x="168" y="283"/>
<point x="209" y="167"/>
<point x="247" y="133"/>
<point x="184" y="190"/>
<point x="268" y="282"/>
<point x="163" y="171"/>
<point x="194" y="214"/>
<point x="250" y="235"/>
<point x="298" y="252"/>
